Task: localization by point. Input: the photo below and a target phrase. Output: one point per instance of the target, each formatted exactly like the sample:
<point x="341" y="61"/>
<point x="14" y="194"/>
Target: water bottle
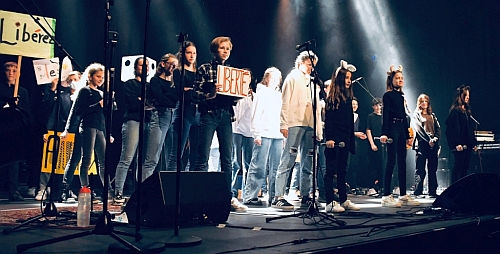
<point x="83" y="212"/>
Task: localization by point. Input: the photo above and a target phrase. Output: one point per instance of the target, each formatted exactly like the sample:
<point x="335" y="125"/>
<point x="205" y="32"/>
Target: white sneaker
<point x="371" y="192"/>
<point x="31" y="192"/>
<point x="42" y="194"/>
<point x="348" y="205"/>
<point x="236" y="206"/>
<point x="408" y="200"/>
<point x="292" y="195"/>
<point x="389" y="201"/>
<point x="334" y="207"/>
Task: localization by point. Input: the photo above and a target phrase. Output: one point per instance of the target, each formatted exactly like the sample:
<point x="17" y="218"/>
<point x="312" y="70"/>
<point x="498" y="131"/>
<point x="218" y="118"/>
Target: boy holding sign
<point x="216" y="113"/>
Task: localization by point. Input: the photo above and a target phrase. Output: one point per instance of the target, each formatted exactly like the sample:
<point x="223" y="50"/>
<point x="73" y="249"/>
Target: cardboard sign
<point x="128" y="68"/>
<point x="46" y="70"/>
<point x="234" y="81"/>
<point x="21" y="35"/>
<point x="66" y="147"/>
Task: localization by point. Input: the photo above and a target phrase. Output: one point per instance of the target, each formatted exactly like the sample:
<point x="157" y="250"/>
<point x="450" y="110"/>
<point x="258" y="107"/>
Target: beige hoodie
<point x="296" y="109"/>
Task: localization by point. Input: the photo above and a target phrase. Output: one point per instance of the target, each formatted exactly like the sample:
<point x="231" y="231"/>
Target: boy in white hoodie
<point x="296" y="124"/>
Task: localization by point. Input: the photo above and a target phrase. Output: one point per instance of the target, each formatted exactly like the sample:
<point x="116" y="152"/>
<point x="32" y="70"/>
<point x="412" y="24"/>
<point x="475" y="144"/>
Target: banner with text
<point x="66" y="147"/>
<point x="234" y="81"/>
<point x="21" y="35"/>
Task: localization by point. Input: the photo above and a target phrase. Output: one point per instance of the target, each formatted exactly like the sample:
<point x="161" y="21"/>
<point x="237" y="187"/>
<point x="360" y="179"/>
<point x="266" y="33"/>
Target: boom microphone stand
<point x="312" y="210"/>
<point x="103" y="226"/>
<point x="50" y="209"/>
<point x="176" y="240"/>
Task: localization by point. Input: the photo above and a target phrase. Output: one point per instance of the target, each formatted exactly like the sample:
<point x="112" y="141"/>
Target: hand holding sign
<point x="232" y="81"/>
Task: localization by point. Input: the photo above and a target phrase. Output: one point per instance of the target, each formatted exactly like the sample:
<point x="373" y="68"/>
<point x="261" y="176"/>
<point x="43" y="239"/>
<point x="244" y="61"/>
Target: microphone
<point x="356" y="80"/>
<point x="304" y="45"/>
<point x="340" y="144"/>
<point x="464" y="147"/>
<point x="473" y="119"/>
<point x="389" y="140"/>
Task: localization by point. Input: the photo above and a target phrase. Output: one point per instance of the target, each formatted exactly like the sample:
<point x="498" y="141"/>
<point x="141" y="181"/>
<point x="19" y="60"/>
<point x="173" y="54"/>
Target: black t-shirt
<point x="374" y="124"/>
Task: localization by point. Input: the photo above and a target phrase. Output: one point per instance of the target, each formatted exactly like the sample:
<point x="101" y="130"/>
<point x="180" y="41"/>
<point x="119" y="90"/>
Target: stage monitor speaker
<point x="477" y="193"/>
<point x="204" y="196"/>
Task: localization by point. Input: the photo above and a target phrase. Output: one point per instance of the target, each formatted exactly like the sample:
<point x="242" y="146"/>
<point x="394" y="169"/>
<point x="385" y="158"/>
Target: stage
<point x="372" y="229"/>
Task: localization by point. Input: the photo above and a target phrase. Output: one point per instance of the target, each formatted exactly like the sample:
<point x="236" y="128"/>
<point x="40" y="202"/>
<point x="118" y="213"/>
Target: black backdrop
<point x="443" y="43"/>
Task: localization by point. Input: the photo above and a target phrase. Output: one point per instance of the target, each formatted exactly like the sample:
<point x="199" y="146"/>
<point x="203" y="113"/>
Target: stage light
<point x="384" y="45"/>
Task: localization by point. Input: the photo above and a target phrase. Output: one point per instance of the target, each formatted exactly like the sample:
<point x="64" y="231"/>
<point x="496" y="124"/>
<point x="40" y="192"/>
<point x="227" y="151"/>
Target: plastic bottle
<point x="83" y="212"/>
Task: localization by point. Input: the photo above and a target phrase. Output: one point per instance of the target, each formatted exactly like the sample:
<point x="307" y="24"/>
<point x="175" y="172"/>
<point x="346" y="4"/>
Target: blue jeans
<point x="158" y="127"/>
<point x="300" y="140"/>
<point x="267" y="154"/>
<point x="242" y="155"/>
<point x="130" y="141"/>
<point x="321" y="170"/>
<point x="220" y="121"/>
<point x="93" y="140"/>
<point x="189" y="130"/>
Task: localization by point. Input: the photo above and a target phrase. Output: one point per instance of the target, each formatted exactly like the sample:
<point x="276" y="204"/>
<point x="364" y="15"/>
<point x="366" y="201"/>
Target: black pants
<point x="461" y="165"/>
<point x="396" y="150"/>
<point x="336" y="163"/>
<point x="426" y="155"/>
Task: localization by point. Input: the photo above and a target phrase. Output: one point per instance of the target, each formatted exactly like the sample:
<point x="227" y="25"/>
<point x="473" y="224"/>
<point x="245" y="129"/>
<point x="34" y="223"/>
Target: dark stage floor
<point x="372" y="230"/>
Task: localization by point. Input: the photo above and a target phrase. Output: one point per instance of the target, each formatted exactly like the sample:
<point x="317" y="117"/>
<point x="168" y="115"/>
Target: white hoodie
<point x="296" y="109"/>
<point x="266" y="113"/>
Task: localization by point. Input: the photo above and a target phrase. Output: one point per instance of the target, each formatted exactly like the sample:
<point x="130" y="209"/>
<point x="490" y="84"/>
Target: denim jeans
<point x="300" y="140"/>
<point x="158" y="127"/>
<point x="220" y="121"/>
<point x="321" y="171"/>
<point x="76" y="157"/>
<point x="242" y="155"/>
<point x="130" y="142"/>
<point x="93" y="140"/>
<point x="267" y="154"/>
<point x="190" y="128"/>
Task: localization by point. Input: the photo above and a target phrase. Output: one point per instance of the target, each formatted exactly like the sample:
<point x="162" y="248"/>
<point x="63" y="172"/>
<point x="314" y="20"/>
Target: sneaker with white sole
<point x="408" y="200"/>
<point x="31" y="192"/>
<point x="118" y="199"/>
<point x="292" y="195"/>
<point x="42" y="195"/>
<point x="389" y="201"/>
<point x="236" y="206"/>
<point x="372" y="192"/>
<point x="282" y="204"/>
<point x="348" y="205"/>
<point x="334" y="207"/>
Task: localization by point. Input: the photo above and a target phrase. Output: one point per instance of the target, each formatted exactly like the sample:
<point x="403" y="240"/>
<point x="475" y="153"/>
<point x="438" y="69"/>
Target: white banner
<point x="21" y="35"/>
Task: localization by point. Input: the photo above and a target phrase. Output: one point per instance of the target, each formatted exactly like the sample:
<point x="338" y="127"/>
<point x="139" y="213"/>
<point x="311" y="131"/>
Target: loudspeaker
<point x="475" y="193"/>
<point x="203" y="196"/>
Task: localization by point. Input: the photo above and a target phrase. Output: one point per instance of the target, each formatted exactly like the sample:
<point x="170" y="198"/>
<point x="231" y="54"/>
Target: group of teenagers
<point x="264" y="134"/>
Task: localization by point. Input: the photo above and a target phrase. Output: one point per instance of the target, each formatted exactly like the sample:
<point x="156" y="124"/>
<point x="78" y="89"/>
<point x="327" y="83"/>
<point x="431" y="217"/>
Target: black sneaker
<point x="118" y="199"/>
<point x="253" y="201"/>
<point x="306" y="202"/>
<point x="15" y="196"/>
<point x="282" y="204"/>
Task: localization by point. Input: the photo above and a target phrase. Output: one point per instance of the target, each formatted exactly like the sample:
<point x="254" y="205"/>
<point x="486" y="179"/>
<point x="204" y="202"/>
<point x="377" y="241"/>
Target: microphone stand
<point x="103" y="226"/>
<point x="176" y="240"/>
<point x="50" y="208"/>
<point x="312" y="210"/>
